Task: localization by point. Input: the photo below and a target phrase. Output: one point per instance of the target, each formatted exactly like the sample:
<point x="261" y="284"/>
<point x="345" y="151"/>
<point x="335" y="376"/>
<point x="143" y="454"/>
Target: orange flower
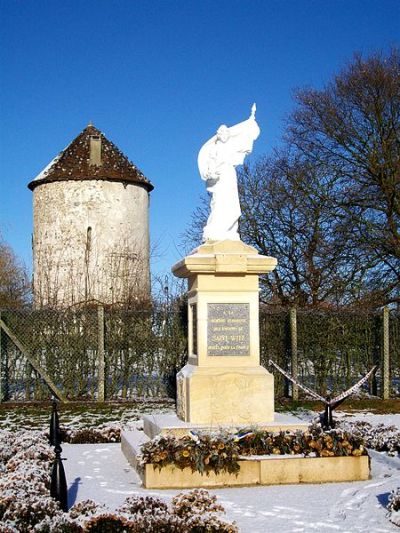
<point x="327" y="453"/>
<point x="185" y="453"/>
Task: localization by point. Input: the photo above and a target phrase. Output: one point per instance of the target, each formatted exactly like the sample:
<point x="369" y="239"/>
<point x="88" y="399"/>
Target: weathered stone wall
<point x="90" y="242"/>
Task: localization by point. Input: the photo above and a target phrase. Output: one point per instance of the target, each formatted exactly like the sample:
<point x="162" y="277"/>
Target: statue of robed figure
<point x="217" y="161"/>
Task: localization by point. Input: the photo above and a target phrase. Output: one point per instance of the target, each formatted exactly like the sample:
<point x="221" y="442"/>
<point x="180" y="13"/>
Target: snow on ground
<point x="101" y="472"/>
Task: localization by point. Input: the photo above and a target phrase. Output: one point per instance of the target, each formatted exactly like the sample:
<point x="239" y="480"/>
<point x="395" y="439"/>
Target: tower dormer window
<point x="95" y="150"/>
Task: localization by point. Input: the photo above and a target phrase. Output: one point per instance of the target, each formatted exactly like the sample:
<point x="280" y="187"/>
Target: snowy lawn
<point x="74" y="415"/>
<point x="100" y="472"/>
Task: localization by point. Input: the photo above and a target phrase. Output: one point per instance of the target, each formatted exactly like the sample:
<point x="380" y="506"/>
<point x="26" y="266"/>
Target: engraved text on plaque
<point x="228" y="329"/>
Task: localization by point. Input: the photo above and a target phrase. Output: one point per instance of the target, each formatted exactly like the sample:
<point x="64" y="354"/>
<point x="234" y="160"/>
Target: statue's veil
<point x="239" y="137"/>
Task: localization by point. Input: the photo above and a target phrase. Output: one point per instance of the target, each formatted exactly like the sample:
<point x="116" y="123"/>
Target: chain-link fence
<point x="91" y="354"/>
<point x="333" y="349"/>
<point x="99" y="353"/>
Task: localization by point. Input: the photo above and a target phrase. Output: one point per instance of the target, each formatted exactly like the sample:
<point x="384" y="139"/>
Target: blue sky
<point x="158" y="78"/>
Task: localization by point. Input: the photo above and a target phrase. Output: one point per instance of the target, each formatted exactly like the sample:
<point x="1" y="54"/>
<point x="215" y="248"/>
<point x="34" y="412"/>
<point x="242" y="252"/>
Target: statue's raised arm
<point x="217" y="160"/>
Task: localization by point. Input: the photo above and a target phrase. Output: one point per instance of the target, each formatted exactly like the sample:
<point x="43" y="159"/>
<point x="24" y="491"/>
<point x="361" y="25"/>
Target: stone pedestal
<point x="223" y="382"/>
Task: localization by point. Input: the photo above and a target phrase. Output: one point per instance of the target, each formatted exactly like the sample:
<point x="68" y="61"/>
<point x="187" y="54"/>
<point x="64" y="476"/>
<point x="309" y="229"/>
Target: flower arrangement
<point x="221" y="452"/>
<point x="315" y="441"/>
<point x="203" y="453"/>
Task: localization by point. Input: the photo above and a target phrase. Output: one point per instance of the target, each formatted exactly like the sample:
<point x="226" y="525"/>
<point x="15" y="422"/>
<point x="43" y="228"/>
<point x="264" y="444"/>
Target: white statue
<point x="217" y="160"/>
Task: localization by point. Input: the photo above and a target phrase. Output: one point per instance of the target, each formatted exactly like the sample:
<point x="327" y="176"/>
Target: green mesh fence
<point x="64" y="344"/>
<point x="334" y="348"/>
<point x="143" y="350"/>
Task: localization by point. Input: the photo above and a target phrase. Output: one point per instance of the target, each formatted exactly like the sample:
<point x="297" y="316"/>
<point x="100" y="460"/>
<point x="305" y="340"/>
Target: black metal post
<point x="58" y="485"/>
<point x="55" y="434"/>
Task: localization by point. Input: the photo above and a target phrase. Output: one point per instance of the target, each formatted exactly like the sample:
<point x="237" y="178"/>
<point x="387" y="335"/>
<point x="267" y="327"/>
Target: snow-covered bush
<point x="381" y="438"/>
<point x="108" y="522"/>
<point x="139" y="505"/>
<point x="201" y="512"/>
<point x="394" y="500"/>
<point x="86" y="509"/>
<point x="91" y="435"/>
<point x="61" y="523"/>
<point x="195" y="511"/>
<point x="198" y="500"/>
<point x="394" y="507"/>
<point x="25" y="500"/>
<point x="26" y="505"/>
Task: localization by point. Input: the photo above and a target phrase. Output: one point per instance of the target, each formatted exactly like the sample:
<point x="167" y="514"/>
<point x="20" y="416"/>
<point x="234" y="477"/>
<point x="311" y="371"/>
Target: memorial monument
<point x="223" y="385"/>
<point x="223" y="382"/>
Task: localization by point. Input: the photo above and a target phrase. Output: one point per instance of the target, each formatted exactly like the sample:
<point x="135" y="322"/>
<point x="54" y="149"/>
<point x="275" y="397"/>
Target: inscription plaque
<point x="228" y="329"/>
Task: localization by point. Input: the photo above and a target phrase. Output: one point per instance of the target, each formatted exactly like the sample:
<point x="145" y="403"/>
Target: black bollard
<point x="58" y="487"/>
<point x="55" y="434"/>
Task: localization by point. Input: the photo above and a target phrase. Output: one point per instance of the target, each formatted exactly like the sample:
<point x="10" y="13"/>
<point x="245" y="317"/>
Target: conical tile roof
<point x="73" y="163"/>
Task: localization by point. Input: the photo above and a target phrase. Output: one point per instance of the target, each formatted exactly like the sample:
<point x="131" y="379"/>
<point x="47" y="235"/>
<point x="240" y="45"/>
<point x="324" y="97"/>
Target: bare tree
<point x="15" y="288"/>
<point x="288" y="213"/>
<point x="350" y="131"/>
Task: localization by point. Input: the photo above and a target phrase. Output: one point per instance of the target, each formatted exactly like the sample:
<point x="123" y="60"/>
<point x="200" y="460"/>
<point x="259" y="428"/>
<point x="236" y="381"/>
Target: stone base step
<point x="131" y="442"/>
<point x="267" y="470"/>
<point x="170" y="424"/>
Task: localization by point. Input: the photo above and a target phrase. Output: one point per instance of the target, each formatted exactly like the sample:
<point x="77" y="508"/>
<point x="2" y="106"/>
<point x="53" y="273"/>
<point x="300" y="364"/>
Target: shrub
<point x="107" y="523"/>
<point x="197" y="500"/>
<point x="380" y="437"/>
<point x="394" y="501"/>
<point x="86" y="509"/>
<point x="139" y="505"/>
<point x="91" y="435"/>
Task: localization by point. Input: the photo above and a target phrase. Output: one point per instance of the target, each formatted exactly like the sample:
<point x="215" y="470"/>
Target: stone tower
<point x="90" y="227"/>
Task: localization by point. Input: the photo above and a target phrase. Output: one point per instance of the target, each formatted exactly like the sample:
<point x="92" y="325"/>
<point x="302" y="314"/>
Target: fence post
<point x="386" y="356"/>
<point x="100" y="354"/>
<point x="293" y="351"/>
<point x="4" y="381"/>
